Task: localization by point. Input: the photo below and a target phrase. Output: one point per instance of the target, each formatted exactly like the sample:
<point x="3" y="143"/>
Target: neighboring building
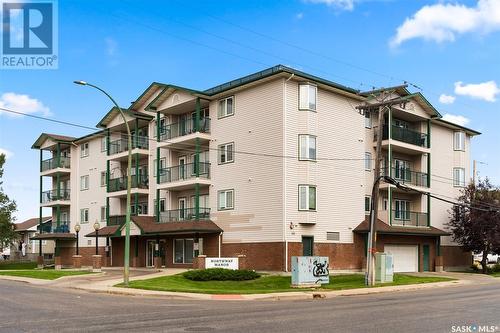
<point x="272" y="165"/>
<point x="26" y="230"/>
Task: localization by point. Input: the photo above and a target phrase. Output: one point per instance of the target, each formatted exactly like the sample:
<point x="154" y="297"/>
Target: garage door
<point x="405" y="257"/>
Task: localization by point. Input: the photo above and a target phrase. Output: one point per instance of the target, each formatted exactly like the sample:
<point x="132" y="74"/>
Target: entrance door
<point x="307" y="245"/>
<point x="426" y="252"/>
<point x="163" y="252"/>
<point x="405" y="257"/>
<point x="182" y="168"/>
<point x="150" y="253"/>
<point x="182" y="208"/>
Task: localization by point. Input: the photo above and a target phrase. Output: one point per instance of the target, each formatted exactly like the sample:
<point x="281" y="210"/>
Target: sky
<point x="448" y="50"/>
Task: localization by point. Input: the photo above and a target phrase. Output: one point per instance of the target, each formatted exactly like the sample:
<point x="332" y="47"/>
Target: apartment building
<point x="272" y="165"/>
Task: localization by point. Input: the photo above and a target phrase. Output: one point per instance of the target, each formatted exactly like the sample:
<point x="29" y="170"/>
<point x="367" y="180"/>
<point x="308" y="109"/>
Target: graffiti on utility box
<point x="310" y="270"/>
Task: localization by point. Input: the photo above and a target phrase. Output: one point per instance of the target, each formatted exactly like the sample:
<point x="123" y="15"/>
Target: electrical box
<point x="308" y="271"/>
<point x="384" y="268"/>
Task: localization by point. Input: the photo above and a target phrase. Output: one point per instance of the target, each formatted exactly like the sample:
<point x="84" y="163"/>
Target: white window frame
<point x="457" y="180"/>
<point x="222" y="199"/>
<point x="84" y="182"/>
<point x="84" y="149"/>
<point x="223" y="151"/>
<point x="103" y="213"/>
<point x="310" y="141"/>
<point x="305" y="90"/>
<point x="104" y="144"/>
<point x="222" y="109"/>
<point x="103" y="178"/>
<point x="459" y="140"/>
<point x="402" y="214"/>
<point x="368" y="161"/>
<point x="305" y="205"/>
<point x="84" y="215"/>
<point x="369" y="199"/>
<point x="368" y="119"/>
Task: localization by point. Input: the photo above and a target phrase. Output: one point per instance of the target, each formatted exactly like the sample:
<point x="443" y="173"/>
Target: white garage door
<point x="405" y="257"/>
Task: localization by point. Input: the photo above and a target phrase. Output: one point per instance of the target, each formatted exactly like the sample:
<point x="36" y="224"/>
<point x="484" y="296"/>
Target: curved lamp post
<point x="126" y="261"/>
<point x="97" y="226"/>
<point x="77" y="230"/>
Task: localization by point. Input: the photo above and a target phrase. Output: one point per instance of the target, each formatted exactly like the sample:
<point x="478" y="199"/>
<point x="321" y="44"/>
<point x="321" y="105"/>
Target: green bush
<point x="220" y="274"/>
<point x="495" y="268"/>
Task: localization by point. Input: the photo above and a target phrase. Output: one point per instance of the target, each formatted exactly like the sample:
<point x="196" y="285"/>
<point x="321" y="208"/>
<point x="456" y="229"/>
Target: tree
<point x="7" y="208"/>
<point x="475" y="224"/>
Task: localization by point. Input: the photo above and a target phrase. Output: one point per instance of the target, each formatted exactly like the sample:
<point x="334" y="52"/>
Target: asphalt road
<point x="29" y="308"/>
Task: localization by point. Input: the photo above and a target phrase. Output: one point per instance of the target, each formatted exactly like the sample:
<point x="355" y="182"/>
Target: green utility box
<point x="384" y="268"/>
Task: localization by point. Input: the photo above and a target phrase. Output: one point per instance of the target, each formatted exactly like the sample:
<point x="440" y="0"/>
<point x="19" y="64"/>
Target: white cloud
<point x="446" y="99"/>
<point x="342" y="4"/>
<point x="444" y="21"/>
<point x="111" y="46"/>
<point x="456" y="119"/>
<point x="486" y="91"/>
<point x="22" y="103"/>
<point x="299" y="16"/>
<point x="8" y="154"/>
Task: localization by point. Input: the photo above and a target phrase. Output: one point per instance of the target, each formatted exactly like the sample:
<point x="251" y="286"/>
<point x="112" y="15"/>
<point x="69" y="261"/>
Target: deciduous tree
<point x="7" y="208"/>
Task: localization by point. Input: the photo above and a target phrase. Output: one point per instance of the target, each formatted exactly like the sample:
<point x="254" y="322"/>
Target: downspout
<point x="284" y="171"/>
<point x="220" y="240"/>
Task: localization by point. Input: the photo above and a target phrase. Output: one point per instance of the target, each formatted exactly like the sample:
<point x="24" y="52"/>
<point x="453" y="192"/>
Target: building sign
<point x="227" y="263"/>
<point x="310" y="270"/>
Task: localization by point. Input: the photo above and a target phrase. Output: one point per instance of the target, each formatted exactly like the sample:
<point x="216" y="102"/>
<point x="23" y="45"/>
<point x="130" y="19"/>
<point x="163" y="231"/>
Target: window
<point x="142" y="209"/>
<point x="104" y="144"/>
<point x="162" y="205"/>
<point x="402" y="210"/>
<point x="226" y="199"/>
<point x="459" y="140"/>
<point x="307" y="197"/>
<point x="459" y="177"/>
<point x="307" y="147"/>
<point x="226" y="153"/>
<point x="368" y="119"/>
<point x="183" y="251"/>
<point x="368" y="200"/>
<point x="307" y="97"/>
<point x="84" y="182"/>
<point x="163" y="165"/>
<point x="84" y="149"/>
<point x="368" y="161"/>
<point x="226" y="107"/>
<point x="333" y="236"/>
<point x="402" y="170"/>
<point x="103" y="213"/>
<point x="103" y="178"/>
<point x="84" y="215"/>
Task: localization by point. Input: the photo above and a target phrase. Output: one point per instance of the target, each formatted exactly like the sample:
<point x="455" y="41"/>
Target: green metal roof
<point x="114" y="112"/>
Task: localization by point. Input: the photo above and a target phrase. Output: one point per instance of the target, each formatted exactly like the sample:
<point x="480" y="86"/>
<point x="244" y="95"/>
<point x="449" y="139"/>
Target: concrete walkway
<point x="104" y="283"/>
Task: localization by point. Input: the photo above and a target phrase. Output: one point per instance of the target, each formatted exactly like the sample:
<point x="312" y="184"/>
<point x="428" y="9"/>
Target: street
<point x="28" y="308"/>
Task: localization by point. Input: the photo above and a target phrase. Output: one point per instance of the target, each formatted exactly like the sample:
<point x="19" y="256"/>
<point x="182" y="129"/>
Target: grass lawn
<point x="45" y="274"/>
<point x="17" y="265"/>
<point x="264" y="284"/>
<point x="497" y="274"/>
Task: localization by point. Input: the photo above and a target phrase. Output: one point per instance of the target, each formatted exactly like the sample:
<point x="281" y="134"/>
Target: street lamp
<point x="126" y="261"/>
<point x="77" y="230"/>
<point x="97" y="226"/>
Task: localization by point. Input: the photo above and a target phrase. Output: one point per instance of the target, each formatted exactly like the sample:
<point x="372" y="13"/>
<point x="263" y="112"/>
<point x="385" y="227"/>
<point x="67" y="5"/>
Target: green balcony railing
<point x="51" y="163"/>
<point x="184" y="172"/>
<point x="54" y="195"/>
<point x="121" y="145"/>
<point x="407" y="218"/>
<point x="404" y="135"/>
<point x="64" y="227"/>
<point x="186" y="214"/>
<point x="184" y="127"/>
<point x="120" y="184"/>
<point x="117" y="220"/>
<point x="407" y="176"/>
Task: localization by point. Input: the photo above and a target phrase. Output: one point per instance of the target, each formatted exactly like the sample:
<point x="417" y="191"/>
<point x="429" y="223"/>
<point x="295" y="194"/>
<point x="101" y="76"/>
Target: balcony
<point x="186" y="214"/>
<point x="55" y="197"/>
<point x="185" y="131"/>
<point x="54" y="165"/>
<point x="121" y="145"/>
<point x="64" y="227"/>
<point x="117" y="220"/>
<point x="120" y="184"/>
<point x="407" y="218"/>
<point x="184" y="176"/>
<point x="407" y="176"/>
<point x="405" y="135"/>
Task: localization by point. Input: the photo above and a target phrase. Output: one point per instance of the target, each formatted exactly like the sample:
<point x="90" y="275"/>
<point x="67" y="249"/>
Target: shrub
<point x="220" y="274"/>
<point x="495" y="268"/>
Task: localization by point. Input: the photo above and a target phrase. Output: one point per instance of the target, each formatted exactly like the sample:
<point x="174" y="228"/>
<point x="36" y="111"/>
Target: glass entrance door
<point x="150" y="253"/>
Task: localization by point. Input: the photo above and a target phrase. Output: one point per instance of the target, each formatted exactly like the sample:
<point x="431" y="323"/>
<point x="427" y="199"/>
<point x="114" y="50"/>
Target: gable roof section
<point x="145" y="95"/>
<point x="30" y="223"/>
<point x="449" y="124"/>
<point x="148" y="225"/>
<point x="114" y="112"/>
<point x="57" y="138"/>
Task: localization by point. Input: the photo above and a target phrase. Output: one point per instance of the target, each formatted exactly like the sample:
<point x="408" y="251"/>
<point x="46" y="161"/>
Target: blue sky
<point x="447" y="48"/>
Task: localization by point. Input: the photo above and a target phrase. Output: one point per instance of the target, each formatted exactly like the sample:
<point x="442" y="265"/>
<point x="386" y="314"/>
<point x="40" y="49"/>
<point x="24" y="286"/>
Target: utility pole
<point x="382" y="104"/>
<point x="473" y="172"/>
